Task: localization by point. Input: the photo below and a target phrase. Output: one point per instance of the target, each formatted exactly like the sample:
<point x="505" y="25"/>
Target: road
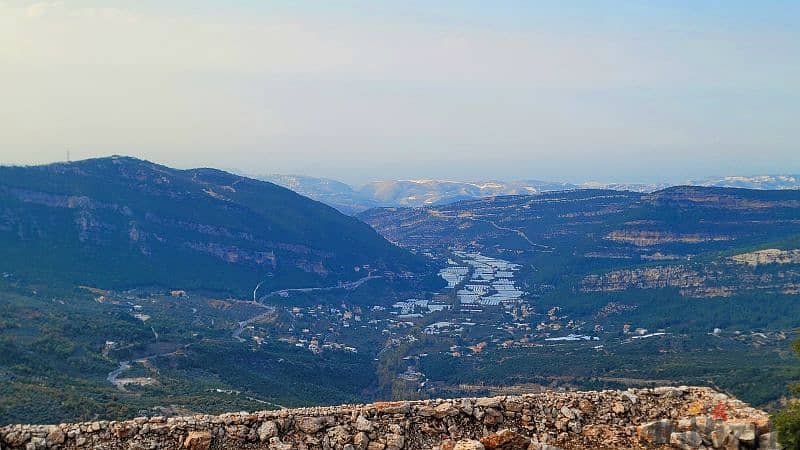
<point x="243" y="324"/>
<point x="114" y="374"/>
<point x="519" y="233"/>
<point x="350" y="285"/>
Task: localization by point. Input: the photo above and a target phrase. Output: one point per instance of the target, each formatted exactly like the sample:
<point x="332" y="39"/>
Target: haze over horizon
<point x="612" y="91"/>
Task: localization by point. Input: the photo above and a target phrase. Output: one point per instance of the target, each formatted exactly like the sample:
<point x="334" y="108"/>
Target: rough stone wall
<point x="683" y="417"/>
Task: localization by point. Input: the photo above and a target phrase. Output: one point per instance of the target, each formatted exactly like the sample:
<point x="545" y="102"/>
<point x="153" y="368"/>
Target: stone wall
<point x="683" y="417"/>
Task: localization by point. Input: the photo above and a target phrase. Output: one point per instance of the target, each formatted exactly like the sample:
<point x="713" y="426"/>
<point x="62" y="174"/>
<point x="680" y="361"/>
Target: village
<point x="485" y="307"/>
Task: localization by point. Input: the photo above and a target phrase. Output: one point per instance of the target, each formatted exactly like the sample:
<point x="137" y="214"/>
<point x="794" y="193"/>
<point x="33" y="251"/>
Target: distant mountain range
<point x="122" y="222"/>
<point x="396" y="193"/>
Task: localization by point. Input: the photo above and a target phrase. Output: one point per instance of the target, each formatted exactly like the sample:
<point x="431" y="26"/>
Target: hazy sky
<point x="619" y="91"/>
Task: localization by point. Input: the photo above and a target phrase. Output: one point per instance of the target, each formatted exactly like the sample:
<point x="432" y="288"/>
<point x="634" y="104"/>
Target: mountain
<point x="438" y="192"/>
<point x="573" y="227"/>
<point x="753" y="182"/>
<point x="121" y="222"/>
<point x="331" y="192"/>
<point x="633" y="187"/>
<point x="413" y="193"/>
<point x="351" y="200"/>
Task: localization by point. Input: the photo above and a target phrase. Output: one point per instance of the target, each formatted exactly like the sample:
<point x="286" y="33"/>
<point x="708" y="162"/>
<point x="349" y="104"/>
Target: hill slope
<point x="119" y="222"/>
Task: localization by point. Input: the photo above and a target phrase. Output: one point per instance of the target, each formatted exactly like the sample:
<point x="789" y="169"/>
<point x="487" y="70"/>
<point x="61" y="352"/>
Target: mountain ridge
<point x="419" y="192"/>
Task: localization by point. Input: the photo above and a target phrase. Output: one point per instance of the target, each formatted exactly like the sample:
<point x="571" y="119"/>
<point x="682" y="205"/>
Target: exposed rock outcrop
<point x="683" y="417"/>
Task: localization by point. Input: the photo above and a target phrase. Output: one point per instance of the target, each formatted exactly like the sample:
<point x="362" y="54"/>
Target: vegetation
<point x="122" y="223"/>
<point x="55" y="357"/>
<point x="787" y="421"/>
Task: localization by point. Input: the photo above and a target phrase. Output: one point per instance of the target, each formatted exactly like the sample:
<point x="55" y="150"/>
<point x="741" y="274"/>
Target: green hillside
<point x="121" y="222"/>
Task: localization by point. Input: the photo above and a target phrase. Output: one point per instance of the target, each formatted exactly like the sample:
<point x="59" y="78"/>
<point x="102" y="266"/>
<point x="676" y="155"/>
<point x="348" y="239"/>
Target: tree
<point x="787" y="421"/>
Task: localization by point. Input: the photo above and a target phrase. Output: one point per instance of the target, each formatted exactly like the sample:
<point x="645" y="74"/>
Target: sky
<point x="364" y="90"/>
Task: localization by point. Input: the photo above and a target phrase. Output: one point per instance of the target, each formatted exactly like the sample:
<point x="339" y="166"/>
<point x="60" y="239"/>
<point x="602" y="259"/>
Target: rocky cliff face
<point x="684" y="417"/>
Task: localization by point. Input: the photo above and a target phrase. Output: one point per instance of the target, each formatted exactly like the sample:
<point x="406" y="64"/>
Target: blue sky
<point x="617" y="91"/>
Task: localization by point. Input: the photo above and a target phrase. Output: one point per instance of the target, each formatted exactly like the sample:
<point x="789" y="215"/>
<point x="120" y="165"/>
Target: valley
<point x="576" y="289"/>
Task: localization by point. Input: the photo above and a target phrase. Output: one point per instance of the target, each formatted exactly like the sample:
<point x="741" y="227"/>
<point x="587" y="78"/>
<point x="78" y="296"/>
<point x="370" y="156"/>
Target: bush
<point x="787" y="424"/>
<point x="787" y="421"/>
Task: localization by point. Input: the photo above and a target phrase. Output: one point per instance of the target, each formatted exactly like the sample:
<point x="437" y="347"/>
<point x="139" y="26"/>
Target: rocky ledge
<point x="667" y="417"/>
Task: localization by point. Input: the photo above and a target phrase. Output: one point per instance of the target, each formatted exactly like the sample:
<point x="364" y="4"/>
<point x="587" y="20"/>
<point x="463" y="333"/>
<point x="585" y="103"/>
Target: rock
<point x="603" y="419"/>
<point x="718" y="438"/>
<point x="657" y="432"/>
<point x="585" y="406"/>
<point x="487" y="402"/>
<point x="492" y="416"/>
<point x="505" y="439"/>
<point x="395" y="441"/>
<point x="360" y="440"/>
<point x="768" y="441"/>
<point x="55" y="437"/>
<point x="447" y="444"/>
<point x="468" y="445"/>
<point x="124" y="430"/>
<point x="267" y="430"/>
<point x="630" y="396"/>
<point x="686" y="424"/>
<point x="669" y="391"/>
<point x="36" y="443"/>
<point x="745" y="432"/>
<point x="513" y="405"/>
<point x="445" y="410"/>
<point x="731" y="443"/>
<point x="686" y="440"/>
<point x="763" y="425"/>
<point x="363" y="424"/>
<point x="276" y="444"/>
<point x="466" y="406"/>
<point x="197" y="440"/>
<point x="310" y="425"/>
<point x="426" y="411"/>
<point x="392" y="407"/>
<point x="339" y="435"/>
<point x="17" y="438"/>
<point x="537" y="446"/>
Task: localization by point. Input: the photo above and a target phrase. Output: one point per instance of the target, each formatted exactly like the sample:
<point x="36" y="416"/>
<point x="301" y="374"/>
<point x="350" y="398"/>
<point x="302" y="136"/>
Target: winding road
<point x="243" y="324"/>
<point x="350" y="285"/>
<point x="519" y="233"/>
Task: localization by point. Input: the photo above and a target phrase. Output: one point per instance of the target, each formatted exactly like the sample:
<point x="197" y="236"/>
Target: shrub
<point x="787" y="424"/>
<point x="787" y="421"/>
